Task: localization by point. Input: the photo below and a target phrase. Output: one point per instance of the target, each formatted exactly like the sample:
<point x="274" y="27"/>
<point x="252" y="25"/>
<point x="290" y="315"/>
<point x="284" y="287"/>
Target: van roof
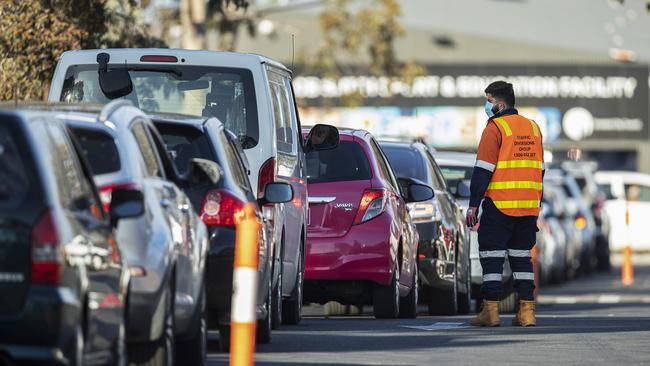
<point x="188" y="57"/>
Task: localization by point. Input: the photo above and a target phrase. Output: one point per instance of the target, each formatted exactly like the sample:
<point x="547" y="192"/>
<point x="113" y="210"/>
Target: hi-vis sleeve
<point x="486" y="161"/>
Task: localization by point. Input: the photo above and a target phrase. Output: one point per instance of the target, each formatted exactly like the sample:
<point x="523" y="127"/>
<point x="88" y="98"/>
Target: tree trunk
<point x="193" y="24"/>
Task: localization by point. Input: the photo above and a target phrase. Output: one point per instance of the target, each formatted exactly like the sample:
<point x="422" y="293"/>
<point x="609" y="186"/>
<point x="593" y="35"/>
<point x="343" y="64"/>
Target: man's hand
<point x="471" y="217"/>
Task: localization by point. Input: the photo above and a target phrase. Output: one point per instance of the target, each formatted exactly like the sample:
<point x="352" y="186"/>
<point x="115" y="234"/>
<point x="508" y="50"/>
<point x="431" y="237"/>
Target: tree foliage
<point x="361" y="34"/>
<point x="34" y="33"/>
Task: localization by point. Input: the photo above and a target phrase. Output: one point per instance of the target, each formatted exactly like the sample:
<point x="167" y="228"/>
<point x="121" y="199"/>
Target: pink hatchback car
<point x="361" y="242"/>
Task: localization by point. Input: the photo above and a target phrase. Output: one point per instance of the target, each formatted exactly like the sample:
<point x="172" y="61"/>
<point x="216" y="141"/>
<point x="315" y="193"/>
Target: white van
<point x="626" y="191"/>
<point x="250" y="94"/>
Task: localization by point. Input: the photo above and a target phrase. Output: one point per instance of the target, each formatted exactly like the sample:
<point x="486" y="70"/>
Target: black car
<point x="62" y="277"/>
<point x="187" y="138"/>
<point x="444" y="262"/>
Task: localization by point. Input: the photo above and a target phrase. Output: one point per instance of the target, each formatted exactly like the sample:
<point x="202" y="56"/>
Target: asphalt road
<point x="592" y="320"/>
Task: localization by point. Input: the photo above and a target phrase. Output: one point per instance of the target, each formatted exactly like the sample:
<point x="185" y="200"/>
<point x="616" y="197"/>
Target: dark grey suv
<point x="62" y="276"/>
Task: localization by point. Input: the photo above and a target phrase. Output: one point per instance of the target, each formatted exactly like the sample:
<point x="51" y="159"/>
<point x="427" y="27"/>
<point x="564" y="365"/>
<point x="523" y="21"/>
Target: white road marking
<point x="566" y="300"/>
<point x="646" y="300"/>
<point x="438" y="326"/>
<point x="609" y="299"/>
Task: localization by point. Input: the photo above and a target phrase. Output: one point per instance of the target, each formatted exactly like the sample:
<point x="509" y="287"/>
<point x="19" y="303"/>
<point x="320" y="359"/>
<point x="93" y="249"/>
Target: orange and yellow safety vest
<point x="516" y="184"/>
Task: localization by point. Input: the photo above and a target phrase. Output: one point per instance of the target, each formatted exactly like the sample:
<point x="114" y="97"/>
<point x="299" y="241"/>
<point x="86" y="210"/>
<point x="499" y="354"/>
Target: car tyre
<point x="385" y="299"/>
<point x="194" y="350"/>
<point x="444" y="302"/>
<point x="408" y="306"/>
<point x="162" y="351"/>
<point x="276" y="303"/>
<point x="510" y="303"/>
<point x="465" y="299"/>
<point x="224" y="338"/>
<point x="292" y="307"/>
<point x="264" y="326"/>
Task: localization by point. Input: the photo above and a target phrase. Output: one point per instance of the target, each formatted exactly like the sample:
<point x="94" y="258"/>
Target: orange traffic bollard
<point x="627" y="269"/>
<point x="242" y="312"/>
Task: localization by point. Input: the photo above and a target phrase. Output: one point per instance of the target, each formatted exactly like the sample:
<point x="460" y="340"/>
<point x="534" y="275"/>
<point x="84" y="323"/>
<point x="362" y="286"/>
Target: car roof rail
<point x="112" y="107"/>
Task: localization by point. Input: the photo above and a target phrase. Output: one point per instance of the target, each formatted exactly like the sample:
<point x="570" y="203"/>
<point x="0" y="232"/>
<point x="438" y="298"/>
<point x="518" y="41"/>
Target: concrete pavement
<point x="592" y="320"/>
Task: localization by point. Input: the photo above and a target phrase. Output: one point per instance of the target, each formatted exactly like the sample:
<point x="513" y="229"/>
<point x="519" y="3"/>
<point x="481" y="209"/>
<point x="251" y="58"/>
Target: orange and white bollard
<point x="242" y="314"/>
<point x="627" y="269"/>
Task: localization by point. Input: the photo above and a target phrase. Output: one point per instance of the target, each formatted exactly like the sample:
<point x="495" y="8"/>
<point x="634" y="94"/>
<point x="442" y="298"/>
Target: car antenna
<point x="293" y="49"/>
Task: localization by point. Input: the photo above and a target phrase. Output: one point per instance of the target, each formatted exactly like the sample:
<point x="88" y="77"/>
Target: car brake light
<point x="106" y="193"/>
<point x="46" y="252"/>
<point x="220" y="208"/>
<point x="266" y="176"/>
<point x="373" y="203"/>
<point x="158" y="58"/>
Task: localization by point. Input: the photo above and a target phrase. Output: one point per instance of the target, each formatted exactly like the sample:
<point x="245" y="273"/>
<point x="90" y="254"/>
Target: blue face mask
<point x="488" y="109"/>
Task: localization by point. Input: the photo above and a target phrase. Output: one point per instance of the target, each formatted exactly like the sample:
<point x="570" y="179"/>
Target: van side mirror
<point x="322" y="137"/>
<point x="462" y="189"/>
<point x="204" y="172"/>
<point x="125" y="203"/>
<point x="277" y="193"/>
<point x="114" y="83"/>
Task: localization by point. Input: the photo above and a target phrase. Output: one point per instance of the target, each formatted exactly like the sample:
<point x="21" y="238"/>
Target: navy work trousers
<point x="500" y="235"/>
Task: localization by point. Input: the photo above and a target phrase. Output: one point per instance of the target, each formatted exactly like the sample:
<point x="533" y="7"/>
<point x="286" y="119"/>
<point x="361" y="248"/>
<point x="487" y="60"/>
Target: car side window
<point x="384" y="166"/>
<point x="436" y="174"/>
<point x="152" y="165"/>
<point x="283" y="114"/>
<point x="74" y="188"/>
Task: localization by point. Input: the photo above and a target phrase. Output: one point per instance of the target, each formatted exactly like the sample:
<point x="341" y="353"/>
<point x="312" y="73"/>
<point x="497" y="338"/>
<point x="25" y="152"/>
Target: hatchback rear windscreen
<point x="99" y="149"/>
<point x="14" y="181"/>
<point x="406" y="162"/>
<point x="344" y="163"/>
<point x="185" y="143"/>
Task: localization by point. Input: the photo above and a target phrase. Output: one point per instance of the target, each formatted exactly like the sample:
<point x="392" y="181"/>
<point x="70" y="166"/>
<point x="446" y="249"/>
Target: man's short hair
<point x="503" y="91"/>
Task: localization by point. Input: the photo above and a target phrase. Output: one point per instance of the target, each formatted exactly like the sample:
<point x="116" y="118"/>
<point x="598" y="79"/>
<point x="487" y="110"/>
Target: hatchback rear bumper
<point x="365" y="253"/>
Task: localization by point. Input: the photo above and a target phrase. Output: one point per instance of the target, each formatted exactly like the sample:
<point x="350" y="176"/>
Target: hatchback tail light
<point x="373" y="203"/>
<point x="46" y="252"/>
<point x="266" y="176"/>
<point x="106" y="192"/>
<point x="221" y="208"/>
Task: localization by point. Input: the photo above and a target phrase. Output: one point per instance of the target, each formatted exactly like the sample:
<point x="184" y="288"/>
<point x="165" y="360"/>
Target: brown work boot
<point x="525" y="317"/>
<point x="489" y="316"/>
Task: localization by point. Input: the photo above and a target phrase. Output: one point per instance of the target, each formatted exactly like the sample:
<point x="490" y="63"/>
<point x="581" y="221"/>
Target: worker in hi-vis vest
<point x="507" y="179"/>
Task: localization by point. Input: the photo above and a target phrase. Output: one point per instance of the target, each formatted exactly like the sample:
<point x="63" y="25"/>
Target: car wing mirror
<point x="204" y="172"/>
<point x="462" y="189"/>
<point x="414" y="190"/>
<point x="114" y="83"/>
<point x="322" y="137"/>
<point x="125" y="203"/>
<point x="277" y="193"/>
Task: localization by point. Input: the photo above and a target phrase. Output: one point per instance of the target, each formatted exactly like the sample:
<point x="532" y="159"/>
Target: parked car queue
<point x="124" y="215"/>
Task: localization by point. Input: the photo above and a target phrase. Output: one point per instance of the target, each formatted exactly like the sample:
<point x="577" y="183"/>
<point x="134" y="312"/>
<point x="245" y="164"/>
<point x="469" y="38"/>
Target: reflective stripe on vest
<point x="516" y="184"/>
<point x="517" y="204"/>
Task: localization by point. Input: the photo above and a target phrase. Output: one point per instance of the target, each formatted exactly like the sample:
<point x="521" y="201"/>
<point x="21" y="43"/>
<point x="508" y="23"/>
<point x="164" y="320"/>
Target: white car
<point x="626" y="191"/>
<point x="250" y="94"/>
